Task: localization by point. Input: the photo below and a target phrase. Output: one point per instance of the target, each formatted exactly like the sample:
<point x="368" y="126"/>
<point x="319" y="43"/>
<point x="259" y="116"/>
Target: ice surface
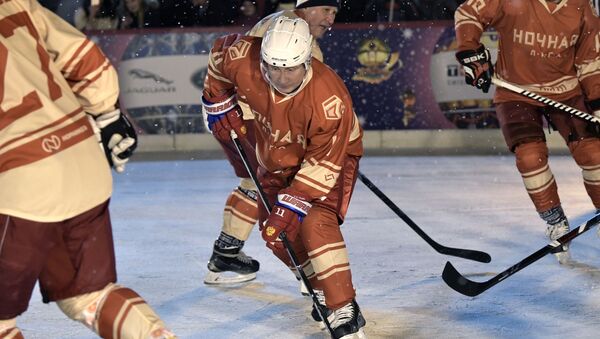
<point x="166" y="216"/>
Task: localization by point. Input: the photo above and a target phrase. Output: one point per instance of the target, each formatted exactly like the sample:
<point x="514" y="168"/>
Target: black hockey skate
<point x="324" y="310"/>
<point x="230" y="265"/>
<point x="347" y="322"/>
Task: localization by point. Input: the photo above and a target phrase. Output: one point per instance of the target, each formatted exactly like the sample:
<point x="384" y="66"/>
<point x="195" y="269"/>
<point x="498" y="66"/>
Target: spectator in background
<point x="397" y="10"/>
<point x="97" y="16"/>
<point x="437" y="10"/>
<point x="250" y="12"/>
<point x="138" y="14"/>
<point x="357" y="11"/>
<point x="188" y="13"/>
<point x="272" y="6"/>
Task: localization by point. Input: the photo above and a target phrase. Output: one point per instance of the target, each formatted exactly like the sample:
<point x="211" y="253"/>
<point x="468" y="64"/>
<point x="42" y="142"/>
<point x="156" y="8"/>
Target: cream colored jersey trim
<point x="464" y="18"/>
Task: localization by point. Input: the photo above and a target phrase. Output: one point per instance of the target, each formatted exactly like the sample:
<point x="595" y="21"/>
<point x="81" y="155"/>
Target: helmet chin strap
<point x="265" y="75"/>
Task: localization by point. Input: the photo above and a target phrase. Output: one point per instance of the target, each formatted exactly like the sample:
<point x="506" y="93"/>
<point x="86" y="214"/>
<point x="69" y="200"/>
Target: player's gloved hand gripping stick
<point x="282" y="234"/>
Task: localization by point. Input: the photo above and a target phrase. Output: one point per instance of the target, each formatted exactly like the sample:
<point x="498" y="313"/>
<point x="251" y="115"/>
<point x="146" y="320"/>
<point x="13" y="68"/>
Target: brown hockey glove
<point x="478" y="68"/>
<point x="287" y="215"/>
<point x="223" y="114"/>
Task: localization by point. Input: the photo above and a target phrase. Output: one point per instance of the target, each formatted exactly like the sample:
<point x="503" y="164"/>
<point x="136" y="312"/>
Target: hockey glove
<point x="223" y="115"/>
<point x="594" y="106"/>
<point x="116" y="137"/>
<point x="287" y="215"/>
<point x="478" y="68"/>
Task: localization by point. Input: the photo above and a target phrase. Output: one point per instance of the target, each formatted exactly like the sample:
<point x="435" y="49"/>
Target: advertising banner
<point x="400" y="76"/>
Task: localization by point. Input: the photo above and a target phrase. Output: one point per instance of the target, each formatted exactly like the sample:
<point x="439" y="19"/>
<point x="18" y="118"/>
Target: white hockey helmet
<point x="287" y="43"/>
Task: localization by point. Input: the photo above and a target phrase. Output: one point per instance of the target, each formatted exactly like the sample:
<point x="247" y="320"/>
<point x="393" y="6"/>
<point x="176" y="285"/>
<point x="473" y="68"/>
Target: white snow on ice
<point x="166" y="216"/>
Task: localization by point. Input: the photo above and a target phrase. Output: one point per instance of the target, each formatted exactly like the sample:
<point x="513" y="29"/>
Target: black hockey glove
<point x="594" y="106"/>
<point x="478" y="68"/>
<point x="116" y="136"/>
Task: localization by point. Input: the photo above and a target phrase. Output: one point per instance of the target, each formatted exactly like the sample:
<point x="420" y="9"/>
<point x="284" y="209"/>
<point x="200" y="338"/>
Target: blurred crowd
<point x="130" y="14"/>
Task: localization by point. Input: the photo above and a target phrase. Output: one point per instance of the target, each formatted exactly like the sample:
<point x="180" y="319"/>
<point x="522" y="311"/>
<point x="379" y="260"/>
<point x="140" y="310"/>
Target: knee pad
<point x="9" y="329"/>
<point x="532" y="162"/>
<point x="83" y="308"/>
<point x="531" y="156"/>
<point x="247" y="184"/>
<point x="586" y="153"/>
<point x="115" y="312"/>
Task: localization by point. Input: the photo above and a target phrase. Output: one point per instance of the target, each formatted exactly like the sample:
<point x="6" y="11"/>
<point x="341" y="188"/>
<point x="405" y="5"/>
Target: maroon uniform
<point x="310" y="142"/>
<point x="553" y="49"/>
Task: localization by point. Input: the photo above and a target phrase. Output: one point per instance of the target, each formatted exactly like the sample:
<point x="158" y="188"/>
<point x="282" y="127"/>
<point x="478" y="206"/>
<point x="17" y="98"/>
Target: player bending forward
<point x="551" y="48"/>
<point x="228" y="263"/>
<point x="308" y="143"/>
<point x="55" y="182"/>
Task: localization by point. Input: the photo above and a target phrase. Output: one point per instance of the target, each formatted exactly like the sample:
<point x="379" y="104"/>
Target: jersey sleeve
<point x="326" y="145"/>
<point x="587" y="56"/>
<point x="88" y="72"/>
<point x="218" y="83"/>
<point x="471" y="19"/>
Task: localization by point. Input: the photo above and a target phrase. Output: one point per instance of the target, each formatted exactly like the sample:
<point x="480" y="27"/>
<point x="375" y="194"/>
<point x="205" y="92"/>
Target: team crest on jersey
<point x="239" y="50"/>
<point x="334" y="108"/>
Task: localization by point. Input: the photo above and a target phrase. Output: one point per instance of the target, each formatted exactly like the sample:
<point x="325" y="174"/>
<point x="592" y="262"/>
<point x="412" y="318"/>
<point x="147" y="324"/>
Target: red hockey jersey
<point x="549" y="48"/>
<point x="314" y="129"/>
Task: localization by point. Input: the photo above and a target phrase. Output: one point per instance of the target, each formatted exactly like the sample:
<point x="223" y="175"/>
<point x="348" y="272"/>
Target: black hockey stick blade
<point x="461" y="284"/>
<point x="455" y="252"/>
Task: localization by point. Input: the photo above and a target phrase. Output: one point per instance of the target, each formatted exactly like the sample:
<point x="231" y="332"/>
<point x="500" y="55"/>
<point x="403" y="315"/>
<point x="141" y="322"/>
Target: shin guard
<point x="532" y="163"/>
<point x="586" y="153"/>
<point x="116" y="312"/>
<point x="241" y="211"/>
<point x="9" y="329"/>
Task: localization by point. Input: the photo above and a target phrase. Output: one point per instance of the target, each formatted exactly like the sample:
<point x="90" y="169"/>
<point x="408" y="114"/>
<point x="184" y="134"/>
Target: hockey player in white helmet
<point x="228" y="263"/>
<point x="286" y="55"/>
<point x="308" y="144"/>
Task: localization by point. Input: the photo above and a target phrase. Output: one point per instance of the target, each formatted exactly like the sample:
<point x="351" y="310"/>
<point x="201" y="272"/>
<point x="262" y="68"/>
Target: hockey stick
<point x="456" y="252"/>
<point x="282" y="235"/>
<point x="573" y="111"/>
<point x="462" y="285"/>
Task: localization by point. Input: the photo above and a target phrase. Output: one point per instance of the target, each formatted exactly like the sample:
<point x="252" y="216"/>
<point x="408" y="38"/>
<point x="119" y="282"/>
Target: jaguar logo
<point x="143" y="74"/>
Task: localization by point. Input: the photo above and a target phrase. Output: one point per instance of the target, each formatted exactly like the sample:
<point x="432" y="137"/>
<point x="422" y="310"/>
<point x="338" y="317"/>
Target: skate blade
<point x="224" y="278"/>
<point x="303" y="289"/>
<point x="358" y="335"/>
<point x="563" y="257"/>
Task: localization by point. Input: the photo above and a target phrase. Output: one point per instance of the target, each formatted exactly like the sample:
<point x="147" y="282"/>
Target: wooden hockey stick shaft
<point x="573" y="111"/>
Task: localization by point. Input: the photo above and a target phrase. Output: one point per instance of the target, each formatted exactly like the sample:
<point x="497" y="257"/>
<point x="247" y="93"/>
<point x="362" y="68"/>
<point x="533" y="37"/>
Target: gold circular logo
<point x="243" y="129"/>
<point x="270" y="231"/>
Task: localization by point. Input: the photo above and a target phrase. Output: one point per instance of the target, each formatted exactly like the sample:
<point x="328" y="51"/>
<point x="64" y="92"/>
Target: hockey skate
<point x="324" y="310"/>
<point x="229" y="266"/>
<point x="556" y="231"/>
<point x="347" y="322"/>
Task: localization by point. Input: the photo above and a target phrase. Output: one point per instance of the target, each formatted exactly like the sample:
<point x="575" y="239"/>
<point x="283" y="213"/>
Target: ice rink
<point x="166" y="216"/>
